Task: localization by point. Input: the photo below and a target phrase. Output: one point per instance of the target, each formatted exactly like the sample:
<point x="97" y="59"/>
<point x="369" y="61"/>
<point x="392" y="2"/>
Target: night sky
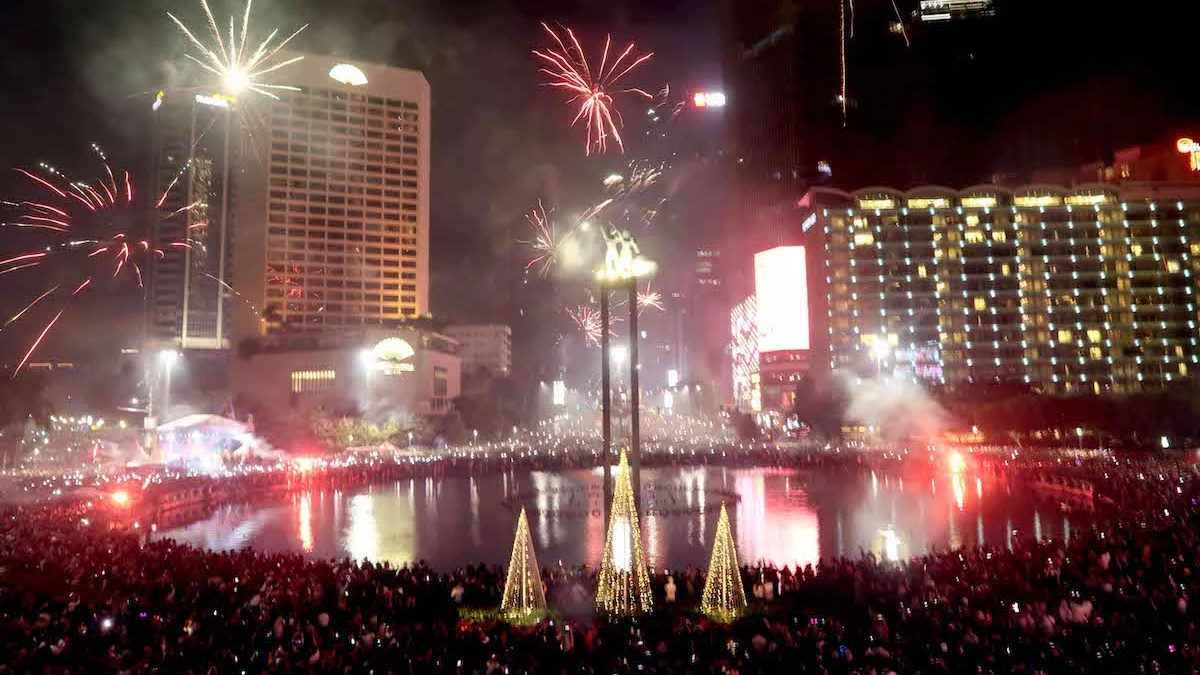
<point x="78" y="72"/>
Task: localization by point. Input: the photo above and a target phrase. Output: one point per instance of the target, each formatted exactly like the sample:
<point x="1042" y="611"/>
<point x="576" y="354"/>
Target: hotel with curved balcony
<point x="1084" y="289"/>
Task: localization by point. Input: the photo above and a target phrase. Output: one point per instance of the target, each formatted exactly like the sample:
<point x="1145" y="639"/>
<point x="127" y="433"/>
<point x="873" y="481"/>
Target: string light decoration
<point x="624" y="582"/>
<point x="724" y="597"/>
<point x="523" y="590"/>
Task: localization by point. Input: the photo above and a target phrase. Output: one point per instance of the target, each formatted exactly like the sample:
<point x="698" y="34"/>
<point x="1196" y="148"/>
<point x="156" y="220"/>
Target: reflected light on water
<point x="362" y="539"/>
<point x="306" y="532"/>
<point x="783" y="532"/>
<point x="778" y="517"/>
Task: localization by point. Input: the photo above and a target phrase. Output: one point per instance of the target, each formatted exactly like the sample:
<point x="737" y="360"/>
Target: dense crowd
<point x="81" y="593"/>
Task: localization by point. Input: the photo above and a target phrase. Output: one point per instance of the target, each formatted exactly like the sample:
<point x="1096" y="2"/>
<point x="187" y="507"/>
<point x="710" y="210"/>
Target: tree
<point x="624" y="587"/>
<point x="724" y="596"/>
<point x="523" y="591"/>
<point x="22" y="402"/>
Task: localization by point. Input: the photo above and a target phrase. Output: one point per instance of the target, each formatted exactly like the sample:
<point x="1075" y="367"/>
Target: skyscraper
<point x="333" y="211"/>
<point x="194" y="164"/>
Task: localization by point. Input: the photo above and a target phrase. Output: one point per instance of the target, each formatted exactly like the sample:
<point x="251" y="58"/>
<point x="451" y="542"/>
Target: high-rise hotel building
<point x="197" y="156"/>
<point x="1084" y="289"/>
<point x="333" y="213"/>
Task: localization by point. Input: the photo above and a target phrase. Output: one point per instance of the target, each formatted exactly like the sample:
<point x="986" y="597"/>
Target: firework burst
<point x="591" y="89"/>
<point x="86" y="243"/>
<point x="649" y="299"/>
<point x="545" y="242"/>
<point x="587" y="319"/>
<point x="230" y="58"/>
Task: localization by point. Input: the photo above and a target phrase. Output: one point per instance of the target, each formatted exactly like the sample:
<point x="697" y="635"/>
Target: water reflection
<point x="783" y="517"/>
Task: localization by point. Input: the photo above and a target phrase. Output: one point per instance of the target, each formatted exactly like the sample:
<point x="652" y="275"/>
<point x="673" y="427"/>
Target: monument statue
<point x="621" y="254"/>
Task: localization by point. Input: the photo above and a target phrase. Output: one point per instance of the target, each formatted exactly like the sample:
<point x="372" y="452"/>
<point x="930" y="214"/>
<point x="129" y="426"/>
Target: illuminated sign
<point x="559" y="393"/>
<point x="781" y="290"/>
<point x="216" y="100"/>
<point x="1192" y="149"/>
<point x="391" y="356"/>
<point x="348" y="74"/>
<point x="709" y="99"/>
<point x="158" y="101"/>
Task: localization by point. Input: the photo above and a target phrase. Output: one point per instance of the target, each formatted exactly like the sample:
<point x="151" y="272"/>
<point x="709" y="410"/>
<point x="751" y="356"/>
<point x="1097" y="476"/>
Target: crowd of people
<point x="80" y="592"/>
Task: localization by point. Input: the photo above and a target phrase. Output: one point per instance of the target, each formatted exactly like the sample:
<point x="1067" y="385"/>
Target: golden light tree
<point x="624" y="582"/>
<point x="523" y="590"/>
<point x="724" y="596"/>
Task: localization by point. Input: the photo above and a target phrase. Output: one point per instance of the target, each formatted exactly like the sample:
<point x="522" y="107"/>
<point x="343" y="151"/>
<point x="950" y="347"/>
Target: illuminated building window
<point x="921" y="271"/>
<point x="1086" y="200"/>
<point x="876" y="204"/>
<point x="1064" y="335"/>
<point x="1096" y="353"/>
<point x="1172" y="265"/>
<point x="312" y="381"/>
<point x="929" y="203"/>
<point x="1005" y="269"/>
<point x="1093" y="335"/>
<point x="999" y="235"/>
<point x="980" y="304"/>
<point x="978" y="202"/>
<point x="1040" y="200"/>
<point x="864" y="239"/>
<point x="440" y="388"/>
<point x="974" y="237"/>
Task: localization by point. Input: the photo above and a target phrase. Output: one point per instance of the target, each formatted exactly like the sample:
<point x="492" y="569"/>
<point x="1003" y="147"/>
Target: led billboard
<point x="781" y="289"/>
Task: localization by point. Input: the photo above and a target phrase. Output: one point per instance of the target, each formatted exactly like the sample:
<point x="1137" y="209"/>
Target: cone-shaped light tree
<point x="624" y="582"/>
<point x="523" y="590"/>
<point x="724" y="596"/>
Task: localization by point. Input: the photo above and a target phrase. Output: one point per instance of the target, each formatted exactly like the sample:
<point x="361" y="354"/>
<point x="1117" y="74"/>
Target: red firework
<point x="86" y="241"/>
<point x="592" y="89"/>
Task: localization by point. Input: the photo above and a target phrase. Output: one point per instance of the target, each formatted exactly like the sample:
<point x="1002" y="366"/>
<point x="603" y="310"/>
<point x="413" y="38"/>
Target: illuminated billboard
<point x="781" y="289"/>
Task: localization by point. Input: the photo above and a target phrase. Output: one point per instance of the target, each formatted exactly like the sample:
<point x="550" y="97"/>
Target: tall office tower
<point x="334" y="211"/>
<point x="1087" y="289"/>
<point x="196" y="157"/>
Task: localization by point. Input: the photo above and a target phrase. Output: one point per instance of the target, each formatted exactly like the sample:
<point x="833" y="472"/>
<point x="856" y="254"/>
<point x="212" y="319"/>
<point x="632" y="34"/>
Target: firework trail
<point x="592" y="89"/>
<point x="229" y="59"/>
<point x="86" y="237"/>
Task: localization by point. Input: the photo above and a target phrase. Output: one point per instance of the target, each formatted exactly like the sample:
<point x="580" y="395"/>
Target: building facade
<point x="336" y="213"/>
<point x="381" y="374"/>
<point x="196" y="158"/>
<point x="1084" y="289"/>
<point x="484" y="348"/>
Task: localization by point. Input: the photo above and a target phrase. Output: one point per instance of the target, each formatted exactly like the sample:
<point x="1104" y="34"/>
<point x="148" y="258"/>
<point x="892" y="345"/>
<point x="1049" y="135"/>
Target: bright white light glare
<point x="214" y="101"/>
<point x="672" y="378"/>
<point x="668" y="400"/>
<point x="560" y="392"/>
<point x="618" y="353"/>
<point x="622" y="545"/>
<point x="236" y="81"/>
<point x="708" y="99"/>
<point x="348" y="74"/>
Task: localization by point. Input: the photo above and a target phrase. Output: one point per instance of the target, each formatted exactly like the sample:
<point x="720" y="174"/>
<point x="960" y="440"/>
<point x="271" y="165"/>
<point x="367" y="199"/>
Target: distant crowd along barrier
<point x="584" y="501"/>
